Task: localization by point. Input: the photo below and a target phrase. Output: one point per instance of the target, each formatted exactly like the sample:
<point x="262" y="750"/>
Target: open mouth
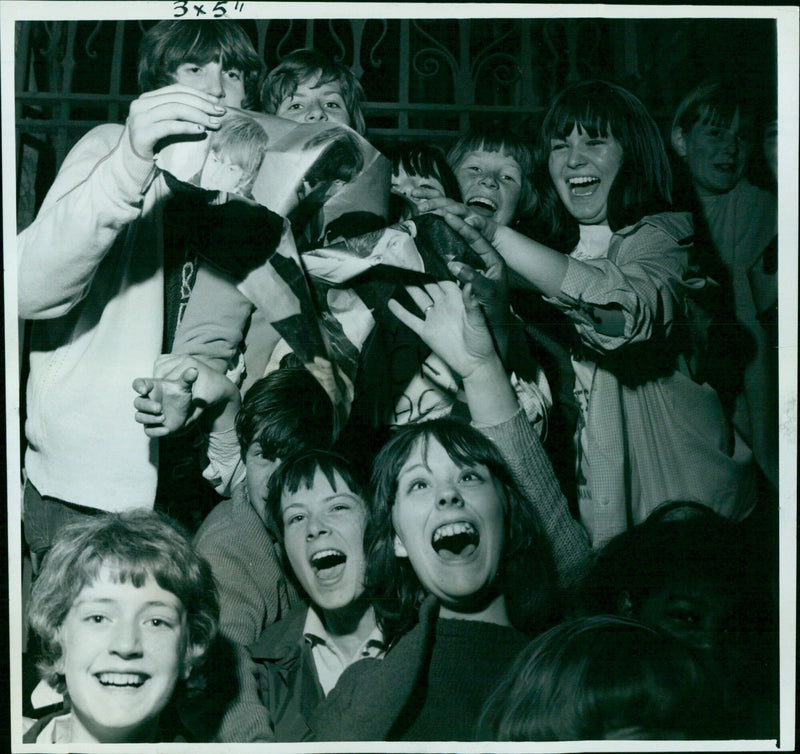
<point x="328" y="563"/>
<point x="584" y="185"/>
<point x="455" y="540"/>
<point x="122" y="680"/>
<point x="482" y="205"/>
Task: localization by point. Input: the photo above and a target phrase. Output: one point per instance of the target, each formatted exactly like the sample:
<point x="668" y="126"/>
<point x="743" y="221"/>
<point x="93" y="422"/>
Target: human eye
<point x="191" y="68"/>
<point x="234" y="74"/>
<point x="295" y="106"/>
<point x="333" y="105"/>
<point x="684" y="615"/>
<point x="95" y="619"/>
<point x="159" y="622"/>
<point x="294" y="518"/>
<point x="556" y="144"/>
<point x="417" y="485"/>
<point x="471" y="476"/>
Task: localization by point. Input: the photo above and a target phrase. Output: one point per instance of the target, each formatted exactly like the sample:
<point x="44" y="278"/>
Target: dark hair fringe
<point x="172" y="42"/>
<point x="527" y="566"/>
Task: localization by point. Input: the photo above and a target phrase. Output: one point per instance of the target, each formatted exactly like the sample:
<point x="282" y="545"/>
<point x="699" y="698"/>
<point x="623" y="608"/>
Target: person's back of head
<point x="704" y="580"/>
<point x="602" y="677"/>
<point x="172" y="42"/>
<point x="286" y="411"/>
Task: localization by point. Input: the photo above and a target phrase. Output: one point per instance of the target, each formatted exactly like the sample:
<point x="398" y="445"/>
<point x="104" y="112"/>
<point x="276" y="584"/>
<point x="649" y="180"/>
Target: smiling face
<point x="323" y="529"/>
<point x="448" y="521"/>
<point x="583" y="169"/>
<point x="212" y="78"/>
<point x="403" y="184"/>
<point x="123" y="652"/>
<point x="311" y="103"/>
<point x="716" y="155"/>
<point x="491" y="184"/>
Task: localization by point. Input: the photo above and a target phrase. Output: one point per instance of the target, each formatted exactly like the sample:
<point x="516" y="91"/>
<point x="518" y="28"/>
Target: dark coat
<point x="287" y="679"/>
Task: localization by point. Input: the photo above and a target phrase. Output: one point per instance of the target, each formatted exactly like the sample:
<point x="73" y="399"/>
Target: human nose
<point x="575" y="156"/>
<point x="448" y="496"/>
<point x="213" y="82"/>
<point x="316" y="527"/>
<point x="489" y="179"/>
<point x="126" y="640"/>
<point x="314" y="112"/>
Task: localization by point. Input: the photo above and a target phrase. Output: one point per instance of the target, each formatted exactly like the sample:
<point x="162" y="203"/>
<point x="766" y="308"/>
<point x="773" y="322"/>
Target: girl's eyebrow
<point x="410" y="469"/>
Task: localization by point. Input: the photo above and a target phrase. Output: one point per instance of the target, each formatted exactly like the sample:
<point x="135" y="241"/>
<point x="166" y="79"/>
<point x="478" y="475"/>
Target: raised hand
<point x="452" y="326"/>
<point x="173" y="110"/>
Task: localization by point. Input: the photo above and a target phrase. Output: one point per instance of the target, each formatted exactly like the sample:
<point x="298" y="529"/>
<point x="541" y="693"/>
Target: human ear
<point x="678" y="139"/>
<point x="399" y="548"/>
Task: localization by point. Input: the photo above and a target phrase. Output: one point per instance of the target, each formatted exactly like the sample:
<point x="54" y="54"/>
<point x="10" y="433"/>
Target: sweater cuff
<point x="132" y="173"/>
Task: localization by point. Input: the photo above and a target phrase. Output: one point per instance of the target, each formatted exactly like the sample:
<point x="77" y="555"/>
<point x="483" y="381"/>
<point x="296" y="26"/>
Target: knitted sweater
<point x="90" y="272"/>
<point x="253" y="591"/>
<point x="430" y="686"/>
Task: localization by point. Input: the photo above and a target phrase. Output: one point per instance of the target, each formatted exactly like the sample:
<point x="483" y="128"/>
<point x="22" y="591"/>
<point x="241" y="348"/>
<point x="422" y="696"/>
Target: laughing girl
<point x="620" y="266"/>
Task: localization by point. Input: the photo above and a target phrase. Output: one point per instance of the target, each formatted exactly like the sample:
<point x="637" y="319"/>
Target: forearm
<point x="98" y="192"/>
<point x="533" y="471"/>
<point x="539" y="265"/>
<point x="490" y="397"/>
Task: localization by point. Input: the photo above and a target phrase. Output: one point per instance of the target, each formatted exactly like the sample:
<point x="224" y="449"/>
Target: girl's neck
<point x="349" y="627"/>
<point x="494" y="612"/>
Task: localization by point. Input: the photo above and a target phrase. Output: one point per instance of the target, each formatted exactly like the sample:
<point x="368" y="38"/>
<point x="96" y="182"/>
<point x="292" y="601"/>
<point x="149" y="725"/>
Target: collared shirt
<point x="329" y="660"/>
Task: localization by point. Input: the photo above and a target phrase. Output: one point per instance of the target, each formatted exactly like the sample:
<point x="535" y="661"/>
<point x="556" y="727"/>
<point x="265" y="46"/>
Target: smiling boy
<point x="317" y="511"/>
<point x="125" y="609"/>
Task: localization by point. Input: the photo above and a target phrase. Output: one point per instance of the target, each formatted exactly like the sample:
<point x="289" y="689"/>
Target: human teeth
<point x="581" y="180"/>
<point x="121" y="679"/>
<point x="451" y="530"/>
<point x="327" y="559"/>
<point x="482" y="201"/>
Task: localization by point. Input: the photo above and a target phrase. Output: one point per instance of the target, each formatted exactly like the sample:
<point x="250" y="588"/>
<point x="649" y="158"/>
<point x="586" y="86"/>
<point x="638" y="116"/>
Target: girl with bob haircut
<point x="419" y="166"/>
<point x="125" y="610"/>
<point x="599" y="678"/>
<point x="643" y="185"/>
<point x="313" y="69"/>
<point x="171" y="43"/>
<point x="620" y="267"/>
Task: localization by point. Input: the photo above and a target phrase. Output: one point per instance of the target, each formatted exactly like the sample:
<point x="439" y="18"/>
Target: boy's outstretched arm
<point x="184" y="389"/>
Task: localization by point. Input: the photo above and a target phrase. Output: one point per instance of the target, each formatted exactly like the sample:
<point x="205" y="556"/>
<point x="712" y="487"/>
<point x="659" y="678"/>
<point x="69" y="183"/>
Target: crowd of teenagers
<point x="570" y="534"/>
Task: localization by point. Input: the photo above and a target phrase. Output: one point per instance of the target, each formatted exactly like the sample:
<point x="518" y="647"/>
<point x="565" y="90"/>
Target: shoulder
<point x="234" y="516"/>
<point x="677" y="226"/>
<point x="279" y="638"/>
